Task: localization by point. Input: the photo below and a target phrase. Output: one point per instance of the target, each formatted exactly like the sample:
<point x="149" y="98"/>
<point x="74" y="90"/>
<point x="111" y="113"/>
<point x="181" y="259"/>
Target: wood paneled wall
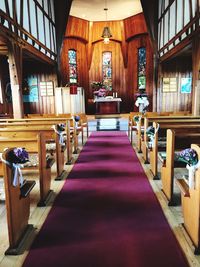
<point x="127" y="36"/>
<point x="44" y="73"/>
<point x="78" y="28"/>
<point x="178" y="67"/>
<point x="134" y="26"/>
<point x="115" y="28"/>
<point x="196" y="75"/>
<point x="82" y="63"/>
<point x="118" y="70"/>
<point x="5" y="107"/>
<point x="132" y="78"/>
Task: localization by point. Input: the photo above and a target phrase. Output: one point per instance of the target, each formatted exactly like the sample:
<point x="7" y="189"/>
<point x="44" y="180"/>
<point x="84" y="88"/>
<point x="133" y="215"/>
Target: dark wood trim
<point x="45" y="40"/>
<point x="178" y="35"/>
<point x="168" y="27"/>
<point x="179" y="46"/>
<point x="190" y="3"/>
<point x="36" y="17"/>
<point x="25" y="33"/>
<point x="165" y="10"/>
<point x="50" y="37"/>
<point x="136" y="36"/>
<point x="8" y="13"/>
<point x="21" y="12"/>
<point x="43" y="11"/>
<point x="77" y="38"/>
<point x="183" y="3"/>
<point x="15" y="16"/>
<point x="29" y="18"/>
<point x="176" y="12"/>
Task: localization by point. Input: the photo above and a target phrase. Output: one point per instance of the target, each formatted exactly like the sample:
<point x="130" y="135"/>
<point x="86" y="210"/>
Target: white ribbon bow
<point x="61" y="135"/>
<point x="151" y="143"/>
<point x="191" y="173"/>
<point x="17" y="173"/>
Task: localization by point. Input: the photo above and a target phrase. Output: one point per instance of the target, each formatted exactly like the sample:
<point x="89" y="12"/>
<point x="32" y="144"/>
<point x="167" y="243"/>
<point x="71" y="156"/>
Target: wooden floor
<point x="38" y="215"/>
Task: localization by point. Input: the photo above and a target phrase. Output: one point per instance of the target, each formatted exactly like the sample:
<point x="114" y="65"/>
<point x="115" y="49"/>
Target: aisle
<point x="106" y="214"/>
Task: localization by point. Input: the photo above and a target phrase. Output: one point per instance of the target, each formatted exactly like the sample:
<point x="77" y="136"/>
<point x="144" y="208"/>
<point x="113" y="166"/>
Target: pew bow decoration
<point x="60" y="130"/>
<point x="16" y="159"/>
<point x="190" y="157"/>
<point x="137" y="119"/>
<point x="76" y="119"/>
<point x="151" y="132"/>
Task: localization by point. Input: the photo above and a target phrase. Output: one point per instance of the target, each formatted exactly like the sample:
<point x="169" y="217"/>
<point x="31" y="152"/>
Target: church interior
<point x="99" y="133"/>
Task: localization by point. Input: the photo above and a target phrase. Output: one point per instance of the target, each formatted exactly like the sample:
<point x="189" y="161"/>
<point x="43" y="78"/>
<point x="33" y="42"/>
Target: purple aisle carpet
<point x="106" y="214"/>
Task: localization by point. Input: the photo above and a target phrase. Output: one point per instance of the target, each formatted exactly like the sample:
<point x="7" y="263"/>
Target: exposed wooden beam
<point x="151" y="17"/>
<point x="15" y="69"/>
<point x="62" y="9"/>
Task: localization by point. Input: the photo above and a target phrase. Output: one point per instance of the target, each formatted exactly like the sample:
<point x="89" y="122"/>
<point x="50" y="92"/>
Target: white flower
<point x="142" y="100"/>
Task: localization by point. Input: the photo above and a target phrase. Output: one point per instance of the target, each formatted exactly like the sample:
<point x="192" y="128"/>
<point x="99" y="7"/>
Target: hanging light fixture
<point x="106" y="35"/>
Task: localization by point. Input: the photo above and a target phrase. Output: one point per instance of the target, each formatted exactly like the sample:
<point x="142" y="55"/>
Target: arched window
<point x="107" y="69"/>
<point x="142" y="68"/>
<point x="73" y="77"/>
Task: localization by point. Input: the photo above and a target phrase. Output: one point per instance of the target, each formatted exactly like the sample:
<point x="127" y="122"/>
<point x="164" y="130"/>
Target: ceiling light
<point x="106" y="31"/>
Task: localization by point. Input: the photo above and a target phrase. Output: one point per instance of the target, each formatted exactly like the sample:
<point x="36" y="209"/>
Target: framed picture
<point x="46" y="88"/>
<point x="169" y="85"/>
<point x="43" y="89"/>
<point x="50" y="88"/>
<point x="186" y="85"/>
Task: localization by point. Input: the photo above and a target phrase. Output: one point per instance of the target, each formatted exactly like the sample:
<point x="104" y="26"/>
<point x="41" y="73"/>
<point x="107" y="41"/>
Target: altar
<point x="107" y="106"/>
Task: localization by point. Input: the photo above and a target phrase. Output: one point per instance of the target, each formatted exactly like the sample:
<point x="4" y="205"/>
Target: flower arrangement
<point x="151" y="131"/>
<point x="60" y="130"/>
<point x="188" y="156"/>
<point x="77" y="118"/>
<point x="60" y="127"/>
<point x="18" y="156"/>
<point x="136" y="118"/>
<point x="142" y="102"/>
<point x="100" y="89"/>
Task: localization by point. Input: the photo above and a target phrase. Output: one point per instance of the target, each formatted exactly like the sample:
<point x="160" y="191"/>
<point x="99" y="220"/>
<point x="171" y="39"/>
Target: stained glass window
<point x="142" y="68"/>
<point x="72" y="66"/>
<point x="107" y="70"/>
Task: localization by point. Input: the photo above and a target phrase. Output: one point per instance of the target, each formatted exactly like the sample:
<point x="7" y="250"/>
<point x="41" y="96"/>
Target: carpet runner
<point x="106" y="215"/>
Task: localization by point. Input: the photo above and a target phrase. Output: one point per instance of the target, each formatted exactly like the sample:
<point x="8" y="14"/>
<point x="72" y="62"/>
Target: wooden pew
<point x="71" y="137"/>
<point x="14" y="130"/>
<point x="147" y="119"/>
<point x="190" y="199"/>
<point x="132" y="126"/>
<point x="84" y="123"/>
<point x="161" y="119"/>
<point x="161" y="145"/>
<point x="176" y="141"/>
<point x="36" y="143"/>
<point x="17" y="209"/>
<point x="79" y="126"/>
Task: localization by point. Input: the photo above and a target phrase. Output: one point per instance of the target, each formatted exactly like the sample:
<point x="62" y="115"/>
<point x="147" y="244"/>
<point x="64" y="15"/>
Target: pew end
<point x="18" y="209"/>
<point x="190" y="199"/>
